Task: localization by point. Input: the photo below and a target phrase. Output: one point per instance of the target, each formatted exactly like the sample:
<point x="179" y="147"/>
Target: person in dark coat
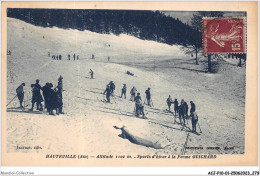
<point x="74" y="56"/>
<point x="59" y="95"/>
<point x="176" y="106"/>
<point x="68" y="56"/>
<point x="181" y="111"/>
<point x="108" y="93"/>
<point x="91" y="73"/>
<point x="193" y="107"/>
<point x="123" y="91"/>
<point x="37" y="97"/>
<point x="148" y="96"/>
<point x="52" y="100"/>
<point x="46" y="95"/>
<point x="20" y="94"/>
<point x="112" y="87"/>
<point x="139" y="107"/>
<point x="186" y="108"/>
<point x="60" y="57"/>
<point x="169" y="102"/>
<point x="194" y="120"/>
<point x="133" y="92"/>
<point x="138" y="104"/>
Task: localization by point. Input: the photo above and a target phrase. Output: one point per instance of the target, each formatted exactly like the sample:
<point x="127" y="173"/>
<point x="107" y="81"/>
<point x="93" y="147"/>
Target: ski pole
<point x="199" y="127"/>
<point x="12" y="100"/>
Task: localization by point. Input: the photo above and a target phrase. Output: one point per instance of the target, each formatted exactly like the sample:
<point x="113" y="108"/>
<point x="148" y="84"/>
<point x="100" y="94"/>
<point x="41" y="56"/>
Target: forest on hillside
<point x="146" y="25"/>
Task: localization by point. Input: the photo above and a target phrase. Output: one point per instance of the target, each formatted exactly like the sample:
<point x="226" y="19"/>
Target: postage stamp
<point x="224" y="35"/>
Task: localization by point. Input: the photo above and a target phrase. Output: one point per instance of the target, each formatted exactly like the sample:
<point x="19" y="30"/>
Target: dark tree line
<point x="147" y="25"/>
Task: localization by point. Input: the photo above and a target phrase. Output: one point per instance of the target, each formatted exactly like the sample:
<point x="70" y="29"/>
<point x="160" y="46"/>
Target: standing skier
<point x="20" y="94"/>
<point x="139" y="107"/>
<point x="176" y="105"/>
<point x="148" y="96"/>
<point x="132" y="92"/>
<point x="46" y="94"/>
<point x="59" y="95"/>
<point x="193" y="107"/>
<point x="112" y="87"/>
<point x="123" y="91"/>
<point x="181" y="112"/>
<point x="52" y="101"/>
<point x="194" y="120"/>
<point x="91" y="74"/>
<point x="37" y="97"/>
<point x="169" y="102"/>
<point x="186" y="108"/>
<point x="108" y="93"/>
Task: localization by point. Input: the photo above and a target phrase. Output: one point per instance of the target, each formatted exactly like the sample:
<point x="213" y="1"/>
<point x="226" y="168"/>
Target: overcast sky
<point x="185" y="17"/>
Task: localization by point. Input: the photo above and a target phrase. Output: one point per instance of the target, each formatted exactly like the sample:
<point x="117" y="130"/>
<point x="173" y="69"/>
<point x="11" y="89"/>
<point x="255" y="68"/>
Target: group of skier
<point x="52" y="96"/>
<point x="53" y="100"/>
<point x="182" y="110"/>
<point x="58" y="57"/>
<point x="135" y="96"/>
<point x="74" y="57"/>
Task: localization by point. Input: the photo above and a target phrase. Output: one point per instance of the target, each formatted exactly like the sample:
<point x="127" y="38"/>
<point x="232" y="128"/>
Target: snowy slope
<point x="95" y="126"/>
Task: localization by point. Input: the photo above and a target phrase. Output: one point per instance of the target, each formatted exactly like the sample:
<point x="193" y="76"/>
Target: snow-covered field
<point x="93" y="127"/>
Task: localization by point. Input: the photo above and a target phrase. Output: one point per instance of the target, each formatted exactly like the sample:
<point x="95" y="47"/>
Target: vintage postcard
<point x="129" y="84"/>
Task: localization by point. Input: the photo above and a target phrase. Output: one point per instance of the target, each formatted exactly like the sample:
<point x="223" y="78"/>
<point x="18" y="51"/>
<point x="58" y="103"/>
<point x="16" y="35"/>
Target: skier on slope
<point x="123" y="91"/>
<point x="148" y="96"/>
<point x="169" y="102"/>
<point x="194" y="121"/>
<point x="52" y="101"/>
<point x="59" y="90"/>
<point x="20" y="94"/>
<point x="139" y="107"/>
<point x="37" y="97"/>
<point x="91" y="73"/>
<point x="186" y="108"/>
<point x="112" y="87"/>
<point x="193" y="107"/>
<point x="108" y="93"/>
<point x="133" y="92"/>
<point x="181" y="112"/>
<point x="46" y="95"/>
<point x="176" y="106"/>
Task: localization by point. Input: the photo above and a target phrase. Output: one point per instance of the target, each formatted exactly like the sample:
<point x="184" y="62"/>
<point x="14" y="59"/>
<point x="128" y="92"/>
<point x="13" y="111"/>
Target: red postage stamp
<point x="224" y="35"/>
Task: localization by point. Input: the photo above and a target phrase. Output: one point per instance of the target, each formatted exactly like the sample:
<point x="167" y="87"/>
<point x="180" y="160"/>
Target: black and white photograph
<point x="124" y="84"/>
